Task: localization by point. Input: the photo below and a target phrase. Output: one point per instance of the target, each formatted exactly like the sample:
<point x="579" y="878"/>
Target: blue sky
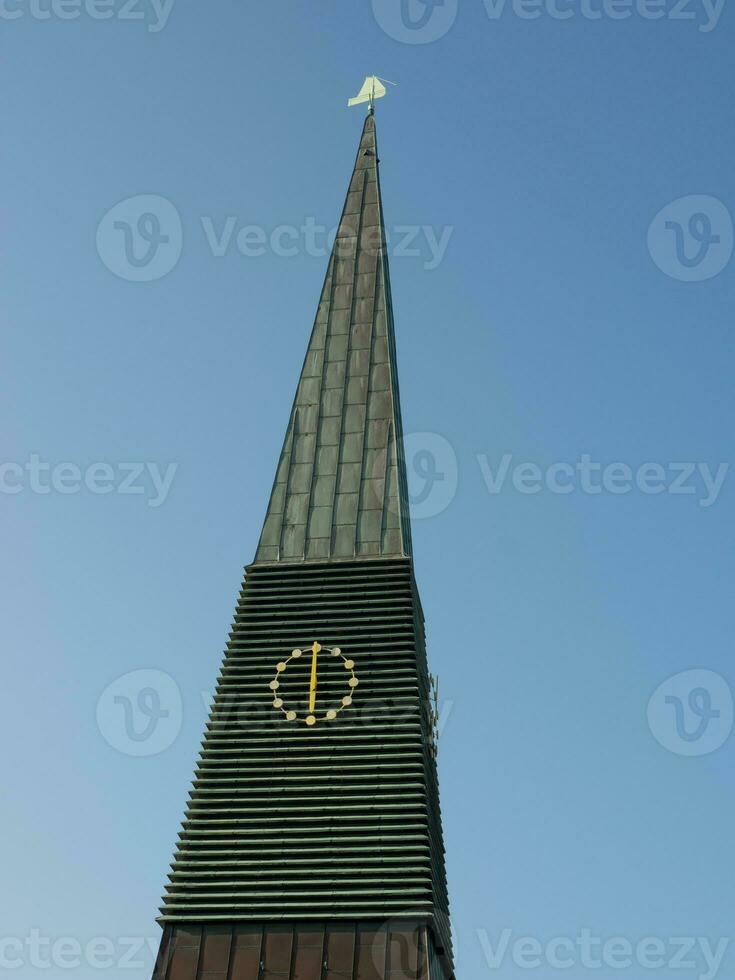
<point x="556" y="327"/>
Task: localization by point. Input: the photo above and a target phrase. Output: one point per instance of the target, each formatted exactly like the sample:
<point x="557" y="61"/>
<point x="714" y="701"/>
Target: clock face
<point x="314" y="684"/>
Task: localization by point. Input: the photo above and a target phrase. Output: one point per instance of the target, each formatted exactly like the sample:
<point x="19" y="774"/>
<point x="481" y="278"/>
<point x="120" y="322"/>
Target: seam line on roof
<point x="366" y="424"/>
<point x="348" y="373"/>
<point x="320" y="404"/>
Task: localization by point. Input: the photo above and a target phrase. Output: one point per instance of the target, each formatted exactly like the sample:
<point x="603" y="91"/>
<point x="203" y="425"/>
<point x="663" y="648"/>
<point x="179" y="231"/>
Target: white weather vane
<point x="372" y="89"/>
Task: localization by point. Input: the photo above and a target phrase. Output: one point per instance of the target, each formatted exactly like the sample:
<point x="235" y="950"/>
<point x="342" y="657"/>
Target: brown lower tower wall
<point x="303" y="951"/>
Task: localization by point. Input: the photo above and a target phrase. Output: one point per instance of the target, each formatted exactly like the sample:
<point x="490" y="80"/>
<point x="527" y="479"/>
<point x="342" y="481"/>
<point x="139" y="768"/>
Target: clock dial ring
<point x="313" y="716"/>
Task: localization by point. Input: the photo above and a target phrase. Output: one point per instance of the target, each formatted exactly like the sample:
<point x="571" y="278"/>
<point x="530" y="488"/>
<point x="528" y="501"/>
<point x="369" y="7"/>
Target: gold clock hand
<point x="312" y="684"/>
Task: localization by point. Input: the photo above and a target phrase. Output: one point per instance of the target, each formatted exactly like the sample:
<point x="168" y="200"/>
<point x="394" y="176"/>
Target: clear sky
<point x="559" y="326"/>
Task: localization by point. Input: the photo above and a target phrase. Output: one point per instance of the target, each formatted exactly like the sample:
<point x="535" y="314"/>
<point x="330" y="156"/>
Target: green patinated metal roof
<point x="340" y="488"/>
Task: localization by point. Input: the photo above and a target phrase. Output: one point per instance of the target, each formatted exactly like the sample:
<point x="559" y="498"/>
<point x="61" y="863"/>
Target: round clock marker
<point x="313" y="684"/>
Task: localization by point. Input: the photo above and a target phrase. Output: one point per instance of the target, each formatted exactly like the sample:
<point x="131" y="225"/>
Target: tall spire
<point x="340" y="487"/>
<point x="312" y="841"/>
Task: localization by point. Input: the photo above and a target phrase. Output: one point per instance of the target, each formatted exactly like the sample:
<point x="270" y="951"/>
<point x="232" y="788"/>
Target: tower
<point x="312" y="843"/>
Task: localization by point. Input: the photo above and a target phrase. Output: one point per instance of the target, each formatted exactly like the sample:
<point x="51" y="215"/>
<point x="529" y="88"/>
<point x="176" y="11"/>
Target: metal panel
<point x="216" y="953"/>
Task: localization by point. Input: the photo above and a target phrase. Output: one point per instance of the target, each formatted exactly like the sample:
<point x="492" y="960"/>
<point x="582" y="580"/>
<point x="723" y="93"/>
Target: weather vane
<point x="372" y="89"/>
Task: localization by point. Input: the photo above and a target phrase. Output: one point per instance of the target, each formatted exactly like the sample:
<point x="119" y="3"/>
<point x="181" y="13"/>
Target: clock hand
<point x="312" y="684"/>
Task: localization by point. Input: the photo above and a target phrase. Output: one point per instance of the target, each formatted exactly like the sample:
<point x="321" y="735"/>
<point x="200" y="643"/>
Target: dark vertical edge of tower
<point x="401" y="458"/>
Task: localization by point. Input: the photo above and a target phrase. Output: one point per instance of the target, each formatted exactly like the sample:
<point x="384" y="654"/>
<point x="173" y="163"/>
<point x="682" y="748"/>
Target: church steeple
<point x="312" y="847"/>
<point x="340" y="487"/>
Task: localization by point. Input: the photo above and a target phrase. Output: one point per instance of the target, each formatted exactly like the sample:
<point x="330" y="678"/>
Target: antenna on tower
<point x="372" y="89"/>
